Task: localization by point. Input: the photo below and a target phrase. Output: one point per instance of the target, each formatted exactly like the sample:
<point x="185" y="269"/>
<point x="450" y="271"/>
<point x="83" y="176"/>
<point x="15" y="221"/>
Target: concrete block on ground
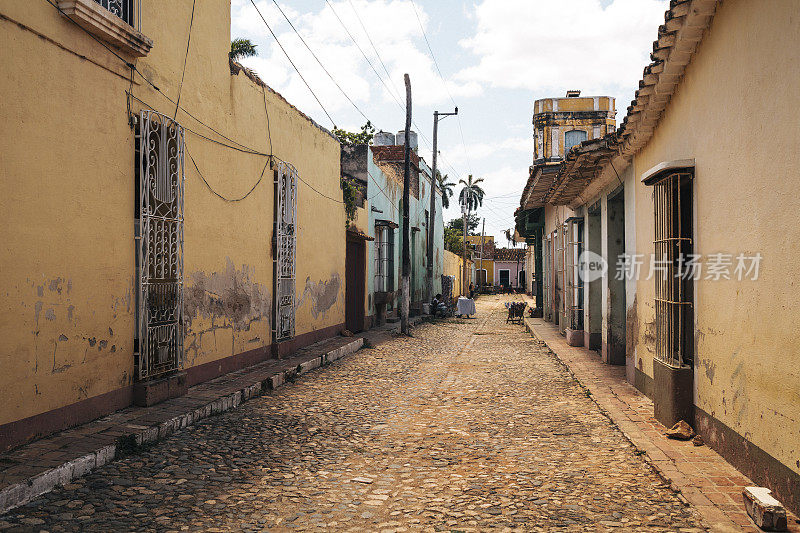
<point x="276" y="380"/>
<point x="574" y="337"/>
<point x="764" y="509"/>
<point x="311" y="364"/>
<point x="151" y="392"/>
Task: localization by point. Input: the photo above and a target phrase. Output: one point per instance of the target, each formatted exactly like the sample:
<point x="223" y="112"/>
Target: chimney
<point x="573" y="93"/>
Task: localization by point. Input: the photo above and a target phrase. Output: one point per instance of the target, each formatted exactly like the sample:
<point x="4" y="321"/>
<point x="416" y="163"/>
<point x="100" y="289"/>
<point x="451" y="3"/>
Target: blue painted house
<point x="378" y="173"/>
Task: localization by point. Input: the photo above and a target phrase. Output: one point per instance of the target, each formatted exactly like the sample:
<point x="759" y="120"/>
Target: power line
<point x="320" y="62"/>
<point x="293" y="65"/>
<point x="185" y="59"/>
<point x="444" y="83"/>
<point x="231" y="200"/>
<point x="363" y="54"/>
<point x="198" y="134"/>
<point x="145" y="78"/>
<point x="380" y="78"/>
<point x="358" y="17"/>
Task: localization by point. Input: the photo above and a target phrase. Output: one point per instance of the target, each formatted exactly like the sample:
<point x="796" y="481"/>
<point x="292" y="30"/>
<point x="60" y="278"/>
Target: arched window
<point x="573" y="137"/>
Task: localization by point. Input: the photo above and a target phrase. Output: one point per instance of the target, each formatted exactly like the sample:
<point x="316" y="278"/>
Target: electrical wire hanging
<point x="185" y="59"/>
<point x="444" y="84"/>
<point x="230" y="200"/>
<point x="320" y="62"/>
<point x="146" y="79"/>
<point x="293" y="65"/>
<point x="388" y="90"/>
<point x="377" y="54"/>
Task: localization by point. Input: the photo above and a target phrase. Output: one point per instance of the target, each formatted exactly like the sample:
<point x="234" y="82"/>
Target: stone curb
<point x="24" y="491"/>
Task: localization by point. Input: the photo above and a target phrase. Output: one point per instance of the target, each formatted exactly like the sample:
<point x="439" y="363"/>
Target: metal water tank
<point x="412" y="136"/>
<point x="383" y="138"/>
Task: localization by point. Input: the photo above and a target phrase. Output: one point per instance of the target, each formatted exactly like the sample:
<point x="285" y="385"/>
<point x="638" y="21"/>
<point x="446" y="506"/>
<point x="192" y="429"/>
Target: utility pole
<point x="464" y="281"/>
<point x="431" y="218"/>
<point x="483" y="236"/>
<point x="405" y="294"/>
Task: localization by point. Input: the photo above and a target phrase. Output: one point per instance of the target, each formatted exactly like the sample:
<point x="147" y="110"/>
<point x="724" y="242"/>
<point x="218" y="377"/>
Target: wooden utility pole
<point x="431" y="218"/>
<point x="480" y="271"/>
<point x="405" y="294"/>
<point x="464" y="280"/>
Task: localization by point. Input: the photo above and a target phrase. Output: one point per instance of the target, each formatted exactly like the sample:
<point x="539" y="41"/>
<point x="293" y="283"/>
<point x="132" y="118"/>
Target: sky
<point x="491" y="58"/>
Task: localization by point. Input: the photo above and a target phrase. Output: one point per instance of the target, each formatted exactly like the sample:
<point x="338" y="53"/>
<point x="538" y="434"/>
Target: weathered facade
<point x="482" y="249"/>
<point x="379" y="169"/>
<point x="702" y="162"/>
<point x="561" y="123"/>
<point x="141" y="236"/>
<point x="509" y="267"/>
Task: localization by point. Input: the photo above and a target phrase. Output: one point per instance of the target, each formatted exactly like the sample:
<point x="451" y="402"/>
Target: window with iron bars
<point x="672" y="196"/>
<point x="574" y="288"/>
<point x="127" y="10"/>
<point x="384" y="258"/>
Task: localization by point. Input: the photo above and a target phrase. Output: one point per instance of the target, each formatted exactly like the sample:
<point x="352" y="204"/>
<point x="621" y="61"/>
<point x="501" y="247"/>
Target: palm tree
<point x="446" y="188"/>
<point x="470" y="197"/>
<point x="241" y="48"/>
<point x="471" y="194"/>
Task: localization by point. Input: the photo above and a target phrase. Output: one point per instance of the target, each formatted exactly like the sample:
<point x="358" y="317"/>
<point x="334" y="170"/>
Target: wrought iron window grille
<point x="674" y="312"/>
<point x="159" y="245"/>
<point x="286" y="182"/>
<point x="128" y="10"/>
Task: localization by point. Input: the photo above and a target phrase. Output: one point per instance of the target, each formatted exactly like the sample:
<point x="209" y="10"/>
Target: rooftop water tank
<point x="383" y="138"/>
<point x="412" y="136"/>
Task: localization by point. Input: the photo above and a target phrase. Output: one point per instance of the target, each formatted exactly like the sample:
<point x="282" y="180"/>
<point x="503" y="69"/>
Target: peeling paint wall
<point x="744" y="142"/>
<point x="387" y="205"/>
<point x="67" y="203"/>
<point x="226" y="313"/>
<point x="554" y="117"/>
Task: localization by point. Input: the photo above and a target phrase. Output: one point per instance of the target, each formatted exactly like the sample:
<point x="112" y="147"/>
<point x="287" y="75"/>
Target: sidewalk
<point x="36" y="468"/>
<point x="704" y="478"/>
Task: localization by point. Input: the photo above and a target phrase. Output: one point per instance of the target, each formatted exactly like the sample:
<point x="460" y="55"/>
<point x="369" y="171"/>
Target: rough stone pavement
<point x="467" y="425"/>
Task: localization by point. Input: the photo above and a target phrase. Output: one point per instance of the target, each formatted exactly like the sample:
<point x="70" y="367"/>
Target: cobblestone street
<point x="467" y="425"/>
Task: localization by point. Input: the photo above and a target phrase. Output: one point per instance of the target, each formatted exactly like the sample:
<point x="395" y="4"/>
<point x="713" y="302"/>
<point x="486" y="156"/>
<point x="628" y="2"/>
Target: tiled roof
<point x="509" y="254"/>
<point x="685" y="23"/>
<point x="684" y="26"/>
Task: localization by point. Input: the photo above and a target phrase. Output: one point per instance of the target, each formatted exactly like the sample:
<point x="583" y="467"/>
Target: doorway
<point x="614" y="348"/>
<point x="355" y="284"/>
<point x="505" y="279"/>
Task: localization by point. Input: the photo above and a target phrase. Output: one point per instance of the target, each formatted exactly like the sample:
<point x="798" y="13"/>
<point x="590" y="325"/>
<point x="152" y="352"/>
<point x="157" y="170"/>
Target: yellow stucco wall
<point x="488" y="263"/>
<point x="729" y="114"/>
<point x="453" y="267"/>
<point x="67" y="203"/>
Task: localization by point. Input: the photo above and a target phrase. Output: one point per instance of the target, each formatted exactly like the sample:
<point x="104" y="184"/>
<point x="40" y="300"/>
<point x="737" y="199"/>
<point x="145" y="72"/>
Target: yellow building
<point x="484" y="258"/>
<point x="561" y="123"/>
<point x="695" y="197"/>
<point x="137" y="205"/>
<point x="454" y="267"/>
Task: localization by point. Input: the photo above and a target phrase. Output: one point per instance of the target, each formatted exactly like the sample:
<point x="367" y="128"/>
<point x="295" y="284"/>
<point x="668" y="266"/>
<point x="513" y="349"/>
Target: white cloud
<point x="548" y="46"/>
<point x="494" y="148"/>
<point x="395" y="33"/>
